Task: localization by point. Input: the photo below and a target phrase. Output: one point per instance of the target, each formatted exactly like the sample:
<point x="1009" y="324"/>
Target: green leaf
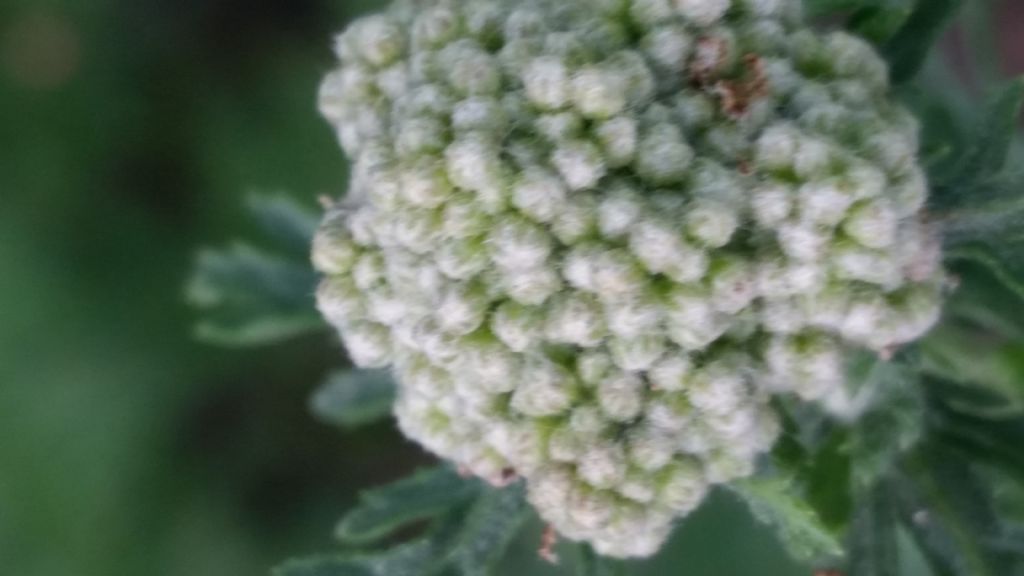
<point x="250" y="297"/>
<point x="590" y="563"/>
<point x="421" y="557"/>
<point x="827" y="480"/>
<point x="996" y="131"/>
<point x="827" y="7"/>
<point x="1005" y="261"/>
<point x="877" y="24"/>
<point x="909" y="47"/>
<point x="872" y="542"/>
<point x="492" y="524"/>
<point x="968" y="355"/>
<point x="423" y="495"/>
<point x="353" y="398"/>
<point x="772" y="501"/>
<point x="977" y="423"/>
<point x="951" y="515"/>
<point x="891" y="427"/>
<point x="285" y="222"/>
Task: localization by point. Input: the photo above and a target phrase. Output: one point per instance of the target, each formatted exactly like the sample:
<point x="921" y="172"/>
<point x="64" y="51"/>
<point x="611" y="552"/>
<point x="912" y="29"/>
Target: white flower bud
<point x="599" y="93"/>
<point x="650" y="12"/>
<point x="669" y="46"/>
<point x="733" y="285"/>
<point x="473" y="164"/>
<point x="711" y="223"/>
<point x="493" y="366"/>
<point x="484" y="114"/>
<point x="340" y="301"/>
<point x="575" y="318"/>
<point x="771" y="204"/>
<point x="802" y="241"/>
<point x="684" y="487"/>
<point x="776" y="149"/>
<point x="334" y="251"/>
<point x="824" y="202"/>
<point x="593" y="366"/>
<point x="530" y="286"/>
<point x="462" y="309"/>
<point x="618" y="138"/>
<point x="721" y="467"/>
<point x="619" y="210"/>
<point x="560" y="127"/>
<point x="368" y="345"/>
<point x="639" y="353"/>
<point x="462" y="217"/>
<point x="650" y="449"/>
<point x="872" y="224"/>
<point x="602" y="466"/>
<point x="580" y="163"/>
<point x="546" y="80"/>
<point x="517" y="244"/>
<point x="470" y="69"/>
<point x="517" y="326"/>
<point x="616" y="274"/>
<point x="540" y="195"/>
<point x="671" y="373"/>
<point x="702" y="12"/>
<point x="638" y="487"/>
<point x="377" y="40"/>
<point x="425" y="185"/>
<point x="663" y="156"/>
<point x="564" y="445"/>
<point x="621" y="397"/>
<point x="435" y="26"/>
<point x="461" y="260"/>
<point x="546" y="389"/>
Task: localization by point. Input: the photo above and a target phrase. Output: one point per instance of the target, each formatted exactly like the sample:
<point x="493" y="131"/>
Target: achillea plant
<point x="618" y="252"/>
<point x="593" y="240"/>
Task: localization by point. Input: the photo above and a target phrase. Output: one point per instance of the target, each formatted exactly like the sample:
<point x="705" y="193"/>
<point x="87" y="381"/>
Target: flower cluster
<point x="594" y="238"/>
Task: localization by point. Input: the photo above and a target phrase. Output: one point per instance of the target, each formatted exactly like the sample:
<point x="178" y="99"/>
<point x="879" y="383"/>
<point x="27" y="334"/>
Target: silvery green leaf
<point x="907" y="50"/>
<point x="352" y="398"/>
<point x="774" y="502"/>
<point x="425" y="494"/>
<point x="491" y="525"/>
<point x="249" y="296"/>
<point x="951" y="515"/>
<point x="284" y="222"/>
<point x="872" y="541"/>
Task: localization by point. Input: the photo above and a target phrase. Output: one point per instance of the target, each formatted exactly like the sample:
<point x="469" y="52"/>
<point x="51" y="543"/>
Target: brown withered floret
<point x="547" y="545"/>
<point x="736" y="95"/>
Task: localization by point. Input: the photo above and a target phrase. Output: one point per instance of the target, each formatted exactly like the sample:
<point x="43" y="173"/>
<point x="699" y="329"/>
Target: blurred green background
<point x="130" y="132"/>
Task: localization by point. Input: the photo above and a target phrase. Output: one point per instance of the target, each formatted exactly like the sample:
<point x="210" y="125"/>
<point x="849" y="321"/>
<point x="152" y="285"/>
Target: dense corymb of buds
<point x="593" y="238"/>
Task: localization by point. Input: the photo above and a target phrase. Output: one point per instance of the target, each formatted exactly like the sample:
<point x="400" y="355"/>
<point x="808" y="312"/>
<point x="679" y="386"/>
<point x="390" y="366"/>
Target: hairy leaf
<point x="774" y="502"/>
<point x="387" y="508"/>
<point x="878" y="23"/>
<point x="872" y="543"/>
<point x="493" y="522"/>
<point x="951" y="515"/>
<point x="352" y="398"/>
<point x="421" y="557"/>
<point x="995" y="134"/>
<point x="286" y="223"/>
<point x="978" y="424"/>
<point x="250" y="297"/>
<point x="891" y="427"/>
<point x="909" y="47"/>
<point x="589" y="563"/>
